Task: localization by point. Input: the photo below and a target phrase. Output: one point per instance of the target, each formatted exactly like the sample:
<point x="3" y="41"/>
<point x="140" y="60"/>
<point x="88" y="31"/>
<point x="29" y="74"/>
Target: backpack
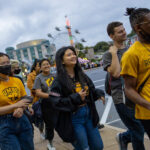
<point x="108" y="83"/>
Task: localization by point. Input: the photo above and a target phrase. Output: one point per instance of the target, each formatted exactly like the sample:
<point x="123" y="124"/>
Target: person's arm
<point x="37" y="87"/>
<point x="97" y="93"/>
<point x="114" y="69"/>
<point x="30" y="82"/>
<point x="41" y="94"/>
<point x="65" y="103"/>
<point x="132" y="94"/>
<point x="8" y="108"/>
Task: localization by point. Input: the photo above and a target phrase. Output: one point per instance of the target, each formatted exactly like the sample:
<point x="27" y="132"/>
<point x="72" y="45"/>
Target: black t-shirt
<point x="77" y="87"/>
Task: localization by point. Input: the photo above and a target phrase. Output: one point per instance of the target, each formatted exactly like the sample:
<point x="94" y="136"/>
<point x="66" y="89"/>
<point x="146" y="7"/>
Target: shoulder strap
<point x="142" y="84"/>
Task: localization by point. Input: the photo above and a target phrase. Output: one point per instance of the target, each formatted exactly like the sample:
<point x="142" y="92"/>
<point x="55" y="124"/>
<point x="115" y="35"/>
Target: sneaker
<point x="42" y="135"/>
<point x="50" y="147"/>
<point x="122" y="145"/>
<point x="100" y="126"/>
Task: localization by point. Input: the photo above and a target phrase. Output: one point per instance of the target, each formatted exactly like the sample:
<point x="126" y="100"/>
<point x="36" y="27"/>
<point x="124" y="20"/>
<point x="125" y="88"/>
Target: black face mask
<point x="17" y="71"/>
<point x="145" y="35"/>
<point x="5" y="69"/>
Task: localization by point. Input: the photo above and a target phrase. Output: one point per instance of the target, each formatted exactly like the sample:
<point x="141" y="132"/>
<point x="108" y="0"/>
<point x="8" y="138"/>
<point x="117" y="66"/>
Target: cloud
<point x="32" y="19"/>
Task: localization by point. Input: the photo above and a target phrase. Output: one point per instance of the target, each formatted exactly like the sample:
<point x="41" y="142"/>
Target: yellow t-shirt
<point x="136" y="63"/>
<point x="30" y="82"/>
<point x="11" y="91"/>
<point x="78" y="88"/>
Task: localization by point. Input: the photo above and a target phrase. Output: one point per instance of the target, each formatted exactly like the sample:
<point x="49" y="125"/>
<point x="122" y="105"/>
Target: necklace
<point x="145" y="47"/>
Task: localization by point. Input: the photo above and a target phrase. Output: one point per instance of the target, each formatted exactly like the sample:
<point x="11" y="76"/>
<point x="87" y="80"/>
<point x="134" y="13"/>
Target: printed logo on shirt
<point x="12" y="93"/>
<point x="49" y="81"/>
<point x="78" y="88"/>
<point x="147" y="62"/>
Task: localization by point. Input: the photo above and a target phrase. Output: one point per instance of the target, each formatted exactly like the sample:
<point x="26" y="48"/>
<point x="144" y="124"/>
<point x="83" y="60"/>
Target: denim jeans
<point x="146" y="125"/>
<point x="87" y="137"/>
<point x="135" y="132"/>
<point x="15" y="133"/>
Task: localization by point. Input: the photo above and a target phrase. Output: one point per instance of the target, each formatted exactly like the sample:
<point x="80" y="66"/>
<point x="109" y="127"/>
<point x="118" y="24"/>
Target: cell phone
<point x="30" y="98"/>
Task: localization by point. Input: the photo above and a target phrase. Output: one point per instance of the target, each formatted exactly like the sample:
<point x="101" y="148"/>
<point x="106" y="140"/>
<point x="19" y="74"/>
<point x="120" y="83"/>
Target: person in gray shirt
<point x="116" y="82"/>
<point x="42" y="87"/>
<point x="111" y="64"/>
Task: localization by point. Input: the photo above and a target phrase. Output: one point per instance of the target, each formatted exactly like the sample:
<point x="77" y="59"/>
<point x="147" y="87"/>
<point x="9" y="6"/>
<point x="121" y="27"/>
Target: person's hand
<point x="113" y="49"/>
<point x="31" y="110"/>
<point x="83" y="94"/>
<point x="103" y="99"/>
<point x="22" y="103"/>
<point x="18" y="112"/>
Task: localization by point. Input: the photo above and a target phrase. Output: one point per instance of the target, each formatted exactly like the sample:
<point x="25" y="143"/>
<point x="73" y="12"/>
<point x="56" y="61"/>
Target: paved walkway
<point x="108" y="135"/>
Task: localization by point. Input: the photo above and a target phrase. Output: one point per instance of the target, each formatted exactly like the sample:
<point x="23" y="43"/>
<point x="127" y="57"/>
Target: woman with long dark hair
<point x="74" y="95"/>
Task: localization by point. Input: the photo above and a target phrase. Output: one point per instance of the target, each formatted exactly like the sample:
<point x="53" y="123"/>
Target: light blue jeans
<point x="15" y="133"/>
<point x="87" y="137"/>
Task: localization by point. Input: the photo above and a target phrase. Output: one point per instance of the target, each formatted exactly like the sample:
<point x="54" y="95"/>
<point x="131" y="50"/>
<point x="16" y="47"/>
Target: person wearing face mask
<point x="135" y="65"/>
<point x="15" y="69"/>
<point x="15" y="128"/>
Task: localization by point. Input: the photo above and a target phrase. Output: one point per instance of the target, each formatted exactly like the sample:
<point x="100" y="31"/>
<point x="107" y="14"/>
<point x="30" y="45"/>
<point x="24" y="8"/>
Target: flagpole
<point x="69" y="30"/>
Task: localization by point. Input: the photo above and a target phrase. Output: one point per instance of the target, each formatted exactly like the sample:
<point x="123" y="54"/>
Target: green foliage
<point x="132" y="33"/>
<point x="79" y="46"/>
<point x="101" y="46"/>
<point x="88" y="47"/>
<point x="81" y="54"/>
<point x="93" y="60"/>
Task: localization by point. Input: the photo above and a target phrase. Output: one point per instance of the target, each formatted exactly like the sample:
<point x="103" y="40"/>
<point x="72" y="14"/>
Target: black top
<point x="67" y="104"/>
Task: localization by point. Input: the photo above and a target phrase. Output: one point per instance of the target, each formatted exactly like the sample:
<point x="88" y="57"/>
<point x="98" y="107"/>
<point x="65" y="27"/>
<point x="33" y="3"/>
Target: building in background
<point x="28" y="51"/>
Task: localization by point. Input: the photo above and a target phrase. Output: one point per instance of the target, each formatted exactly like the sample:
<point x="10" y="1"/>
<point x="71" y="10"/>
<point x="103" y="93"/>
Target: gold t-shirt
<point x="136" y="63"/>
<point x="11" y="91"/>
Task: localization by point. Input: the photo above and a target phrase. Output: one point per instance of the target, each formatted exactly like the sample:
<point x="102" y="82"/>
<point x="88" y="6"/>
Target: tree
<point x="132" y="33"/>
<point x="101" y="46"/>
<point x="81" y="54"/>
<point x="88" y="47"/>
<point x="79" y="46"/>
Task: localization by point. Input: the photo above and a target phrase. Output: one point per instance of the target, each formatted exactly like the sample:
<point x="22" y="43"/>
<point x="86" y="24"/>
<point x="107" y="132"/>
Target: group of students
<point x="68" y="99"/>
<point x="128" y="68"/>
<point x="67" y="104"/>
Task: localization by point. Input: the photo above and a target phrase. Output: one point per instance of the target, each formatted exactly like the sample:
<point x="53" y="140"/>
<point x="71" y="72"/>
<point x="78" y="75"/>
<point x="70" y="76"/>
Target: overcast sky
<point x="24" y="20"/>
